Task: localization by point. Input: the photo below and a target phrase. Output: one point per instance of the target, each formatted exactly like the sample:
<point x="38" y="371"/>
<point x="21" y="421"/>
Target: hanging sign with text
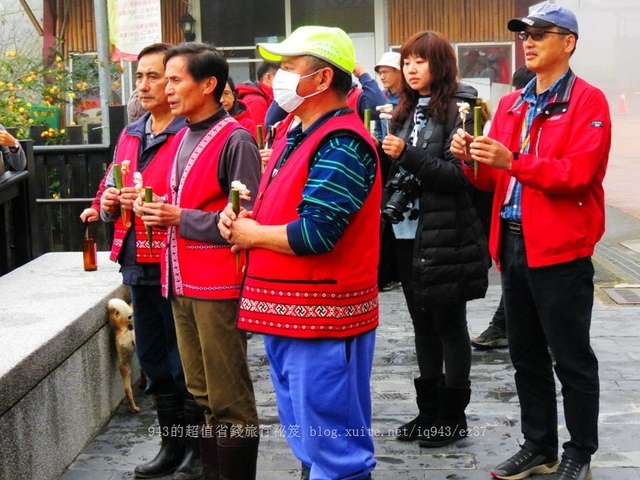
<point x="133" y="24"/>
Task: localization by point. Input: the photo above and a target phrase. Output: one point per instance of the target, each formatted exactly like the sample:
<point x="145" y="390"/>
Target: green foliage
<point x="33" y="92"/>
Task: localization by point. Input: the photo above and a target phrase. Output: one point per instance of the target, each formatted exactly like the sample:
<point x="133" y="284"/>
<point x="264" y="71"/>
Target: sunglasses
<point x="537" y="35"/>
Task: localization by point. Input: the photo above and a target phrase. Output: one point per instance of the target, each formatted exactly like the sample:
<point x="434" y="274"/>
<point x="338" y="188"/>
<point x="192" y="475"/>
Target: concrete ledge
<point x="59" y="381"/>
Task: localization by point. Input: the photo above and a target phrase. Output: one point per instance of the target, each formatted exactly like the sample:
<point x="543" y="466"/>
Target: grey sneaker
<point x="492" y="337"/>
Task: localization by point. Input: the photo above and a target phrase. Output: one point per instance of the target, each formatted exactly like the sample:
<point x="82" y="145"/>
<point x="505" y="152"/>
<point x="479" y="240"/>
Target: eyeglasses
<point x="537" y="35"/>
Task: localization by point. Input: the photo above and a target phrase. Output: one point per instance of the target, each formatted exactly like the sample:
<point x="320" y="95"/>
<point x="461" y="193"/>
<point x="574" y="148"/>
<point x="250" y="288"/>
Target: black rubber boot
<point x="451" y="424"/>
<point x="238" y="457"/>
<point x="170" y="409"/>
<point x="191" y="466"/>
<point x="305" y="472"/>
<point x="209" y="453"/>
<point x="427" y="400"/>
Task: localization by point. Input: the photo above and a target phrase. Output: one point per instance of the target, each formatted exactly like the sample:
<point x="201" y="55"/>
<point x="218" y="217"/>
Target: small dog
<point x="121" y="320"/>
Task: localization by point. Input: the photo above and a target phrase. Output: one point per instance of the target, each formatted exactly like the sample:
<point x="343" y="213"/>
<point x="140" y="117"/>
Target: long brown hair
<point x="436" y="49"/>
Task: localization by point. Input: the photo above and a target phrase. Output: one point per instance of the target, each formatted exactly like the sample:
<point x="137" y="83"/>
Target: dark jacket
<point x="450" y="257"/>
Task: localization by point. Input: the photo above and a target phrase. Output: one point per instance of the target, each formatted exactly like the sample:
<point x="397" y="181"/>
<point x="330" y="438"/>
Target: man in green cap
<point x="307" y="288"/>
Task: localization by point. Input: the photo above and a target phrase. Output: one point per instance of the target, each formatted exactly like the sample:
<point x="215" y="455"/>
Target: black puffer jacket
<point x="450" y="258"/>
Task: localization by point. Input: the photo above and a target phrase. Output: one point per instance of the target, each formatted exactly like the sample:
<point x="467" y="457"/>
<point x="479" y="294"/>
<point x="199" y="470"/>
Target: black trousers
<point x="549" y="309"/>
<point x="441" y="332"/>
<point x="156" y="343"/>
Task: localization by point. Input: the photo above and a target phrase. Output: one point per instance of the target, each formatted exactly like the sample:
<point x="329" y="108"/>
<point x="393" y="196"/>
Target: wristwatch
<point x="15" y="147"/>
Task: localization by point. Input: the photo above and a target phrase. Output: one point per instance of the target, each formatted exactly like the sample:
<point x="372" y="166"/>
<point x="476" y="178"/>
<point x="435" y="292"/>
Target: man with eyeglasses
<point x="545" y="158"/>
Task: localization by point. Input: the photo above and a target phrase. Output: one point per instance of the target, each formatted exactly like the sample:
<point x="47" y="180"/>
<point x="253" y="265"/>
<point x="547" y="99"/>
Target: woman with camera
<point x="441" y="247"/>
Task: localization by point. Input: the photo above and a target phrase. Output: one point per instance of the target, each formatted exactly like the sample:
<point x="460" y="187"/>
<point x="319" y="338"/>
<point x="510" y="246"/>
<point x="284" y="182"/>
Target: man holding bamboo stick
<point x="200" y="272"/>
<point x="545" y="159"/>
<point x="307" y="287"/>
<point x="142" y="158"/>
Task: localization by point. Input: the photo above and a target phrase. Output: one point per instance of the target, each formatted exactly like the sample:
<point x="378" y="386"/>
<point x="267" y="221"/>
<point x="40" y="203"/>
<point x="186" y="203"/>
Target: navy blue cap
<point x="548" y="15"/>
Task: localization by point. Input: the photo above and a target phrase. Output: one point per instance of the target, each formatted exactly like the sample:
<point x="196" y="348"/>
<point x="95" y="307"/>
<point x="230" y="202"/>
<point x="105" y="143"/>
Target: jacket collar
<point x="563" y="95"/>
<point x="137" y="128"/>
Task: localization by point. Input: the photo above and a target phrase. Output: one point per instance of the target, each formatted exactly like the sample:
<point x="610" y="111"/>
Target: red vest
<point x="334" y="294"/>
<point x="155" y="176"/>
<point x="200" y="269"/>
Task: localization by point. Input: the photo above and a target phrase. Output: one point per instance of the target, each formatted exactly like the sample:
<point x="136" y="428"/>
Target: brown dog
<point x="121" y="320"/>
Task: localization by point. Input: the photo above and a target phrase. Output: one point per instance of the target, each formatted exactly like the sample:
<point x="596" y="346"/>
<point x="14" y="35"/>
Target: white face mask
<point x="285" y="89"/>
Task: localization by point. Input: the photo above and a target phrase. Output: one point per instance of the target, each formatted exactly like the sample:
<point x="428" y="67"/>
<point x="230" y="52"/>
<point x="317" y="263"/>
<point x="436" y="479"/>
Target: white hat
<point x="389" y="59"/>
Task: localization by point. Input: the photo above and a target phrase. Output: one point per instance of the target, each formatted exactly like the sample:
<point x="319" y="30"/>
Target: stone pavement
<point x="493" y="413"/>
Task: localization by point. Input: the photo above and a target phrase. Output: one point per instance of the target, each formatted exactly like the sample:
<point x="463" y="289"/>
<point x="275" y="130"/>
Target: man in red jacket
<point x="258" y="95"/>
<point x="545" y="158"/>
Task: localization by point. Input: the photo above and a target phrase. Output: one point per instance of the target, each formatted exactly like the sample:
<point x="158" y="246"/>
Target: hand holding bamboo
<point x="477" y="131"/>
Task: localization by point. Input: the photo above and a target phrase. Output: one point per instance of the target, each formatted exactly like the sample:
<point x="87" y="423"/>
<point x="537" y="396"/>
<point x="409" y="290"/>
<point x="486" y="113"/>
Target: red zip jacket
<point x="561" y="176"/>
<point x="257" y="96"/>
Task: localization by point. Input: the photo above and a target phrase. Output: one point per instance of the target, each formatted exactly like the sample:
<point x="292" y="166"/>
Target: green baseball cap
<point x="328" y="43"/>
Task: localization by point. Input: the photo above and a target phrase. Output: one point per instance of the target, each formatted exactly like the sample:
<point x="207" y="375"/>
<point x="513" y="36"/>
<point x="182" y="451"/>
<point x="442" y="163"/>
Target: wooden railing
<point x="67" y="179"/>
<point x="40" y="207"/>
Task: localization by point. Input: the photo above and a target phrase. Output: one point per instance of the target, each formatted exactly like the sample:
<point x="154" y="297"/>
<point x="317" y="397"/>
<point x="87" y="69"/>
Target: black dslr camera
<point x="403" y="188"/>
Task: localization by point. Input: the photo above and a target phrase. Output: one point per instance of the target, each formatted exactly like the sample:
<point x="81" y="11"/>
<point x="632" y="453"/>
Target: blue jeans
<point x="549" y="308"/>
<point x="323" y="393"/>
<point x="156" y="343"/>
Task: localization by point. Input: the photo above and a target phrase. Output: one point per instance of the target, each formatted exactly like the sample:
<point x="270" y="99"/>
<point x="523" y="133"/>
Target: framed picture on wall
<point x="494" y="61"/>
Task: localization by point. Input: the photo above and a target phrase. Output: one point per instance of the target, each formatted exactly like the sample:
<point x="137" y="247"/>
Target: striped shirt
<point x="512" y="210"/>
<point x="341" y="175"/>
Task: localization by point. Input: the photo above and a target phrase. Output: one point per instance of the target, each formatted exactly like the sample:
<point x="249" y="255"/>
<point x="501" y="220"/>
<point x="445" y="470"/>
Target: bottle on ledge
<point x="89" y="250"/>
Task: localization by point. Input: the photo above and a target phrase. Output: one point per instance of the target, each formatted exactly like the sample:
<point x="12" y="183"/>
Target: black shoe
<point x="492" y="337"/>
<point x="170" y="410"/>
<point x="306" y="471"/>
<point x="571" y="469"/>
<point x="391" y="286"/>
<point x="427" y="399"/>
<point x="523" y="464"/>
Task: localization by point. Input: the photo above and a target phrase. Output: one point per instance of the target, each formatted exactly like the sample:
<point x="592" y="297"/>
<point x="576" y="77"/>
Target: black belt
<point x="513" y="227"/>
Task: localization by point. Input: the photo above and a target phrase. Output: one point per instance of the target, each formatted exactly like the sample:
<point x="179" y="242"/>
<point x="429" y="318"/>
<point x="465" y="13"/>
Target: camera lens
<point x="395" y="207"/>
<point x="392" y="216"/>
